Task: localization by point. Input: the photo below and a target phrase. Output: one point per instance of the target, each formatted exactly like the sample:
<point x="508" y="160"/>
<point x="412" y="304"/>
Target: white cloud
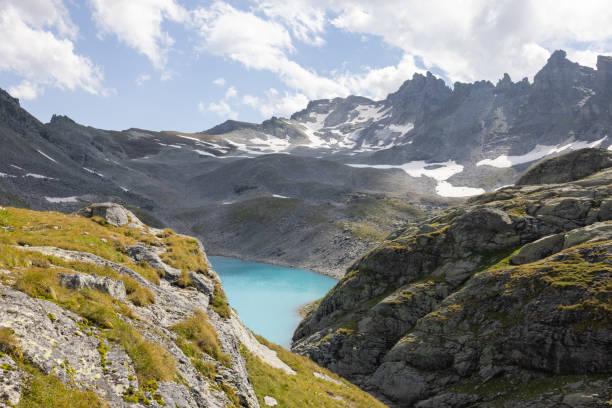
<point x="26" y="90"/>
<point x="36" y="46"/>
<point x="468" y="40"/>
<point x="479" y="39"/>
<point x="274" y="103"/>
<point x="138" y="23"/>
<point x="142" y="78"/>
<point x="266" y="45"/>
<point x="230" y="93"/>
<point x="379" y="82"/>
<point x="219" y="81"/>
<point x="40" y="14"/>
<point x="306" y="22"/>
<point x="223" y="109"/>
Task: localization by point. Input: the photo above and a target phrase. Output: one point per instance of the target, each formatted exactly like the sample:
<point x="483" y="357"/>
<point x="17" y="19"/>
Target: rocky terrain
<point x="307" y="190"/>
<point x="505" y="300"/>
<point x="101" y="310"/>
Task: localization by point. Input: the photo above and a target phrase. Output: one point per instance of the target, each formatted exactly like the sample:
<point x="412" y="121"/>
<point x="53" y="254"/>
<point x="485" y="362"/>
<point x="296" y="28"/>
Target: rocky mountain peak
<point x="604" y="74"/>
<point x="61" y="119"/>
<point x="5" y="97"/>
<point x="504" y="83"/>
<point x="228" y="126"/>
<point x="561" y="73"/>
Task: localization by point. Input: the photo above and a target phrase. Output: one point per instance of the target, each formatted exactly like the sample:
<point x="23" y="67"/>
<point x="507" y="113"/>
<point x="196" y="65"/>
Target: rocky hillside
<point x="503" y="301"/>
<point x="230" y="202"/>
<point x="100" y="310"/>
<point x="304" y="191"/>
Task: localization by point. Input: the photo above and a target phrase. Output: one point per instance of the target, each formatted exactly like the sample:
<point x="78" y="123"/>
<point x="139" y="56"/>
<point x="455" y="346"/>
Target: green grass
<point x="219" y="302"/>
<point x="197" y="336"/>
<point x="47" y="391"/>
<point x="151" y="360"/>
<point x="9" y="344"/>
<point x="303" y="390"/>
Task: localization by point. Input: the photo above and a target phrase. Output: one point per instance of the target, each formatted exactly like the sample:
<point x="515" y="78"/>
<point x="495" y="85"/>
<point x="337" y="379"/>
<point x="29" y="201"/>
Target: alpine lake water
<point x="267" y="297"/>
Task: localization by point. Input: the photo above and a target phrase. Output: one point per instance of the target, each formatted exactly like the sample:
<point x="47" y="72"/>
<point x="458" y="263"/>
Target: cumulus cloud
<point x="138" y="23"/>
<point x="305" y="20"/>
<point x="276" y="103"/>
<point x="479" y="39"/>
<point x="230" y="93"/>
<point x="142" y="78"/>
<point x="219" y="81"/>
<point x="222" y="108"/>
<point x="263" y="44"/>
<point x="37" y="46"/>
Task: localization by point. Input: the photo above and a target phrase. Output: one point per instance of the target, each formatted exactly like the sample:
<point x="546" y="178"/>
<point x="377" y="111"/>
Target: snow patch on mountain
<point x="203" y="153"/>
<point x="438" y="171"/>
<point x="39" y="176"/>
<point x="93" y="172"/>
<point x="271" y="143"/>
<point x="72" y="199"/>
<point x="538" y="152"/>
<point x="47" y="156"/>
<point x="403" y="129"/>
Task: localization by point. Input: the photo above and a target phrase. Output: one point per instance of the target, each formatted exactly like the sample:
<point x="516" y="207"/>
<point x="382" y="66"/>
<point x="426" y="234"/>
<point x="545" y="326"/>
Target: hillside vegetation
<point x="100" y="310"/>
<point x="504" y="301"/>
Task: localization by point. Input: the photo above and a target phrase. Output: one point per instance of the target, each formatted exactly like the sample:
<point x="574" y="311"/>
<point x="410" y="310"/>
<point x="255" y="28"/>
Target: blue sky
<point x="188" y="65"/>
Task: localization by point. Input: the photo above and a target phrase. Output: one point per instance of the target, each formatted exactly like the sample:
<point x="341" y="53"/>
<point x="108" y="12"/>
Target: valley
<point x="465" y="233"/>
<point x="332" y="180"/>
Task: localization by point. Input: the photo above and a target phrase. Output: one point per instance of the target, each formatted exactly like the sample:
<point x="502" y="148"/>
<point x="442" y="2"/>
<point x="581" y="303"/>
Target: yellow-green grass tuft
<point x="47" y="391"/>
<point x="303" y="390"/>
<point x="197" y="335"/>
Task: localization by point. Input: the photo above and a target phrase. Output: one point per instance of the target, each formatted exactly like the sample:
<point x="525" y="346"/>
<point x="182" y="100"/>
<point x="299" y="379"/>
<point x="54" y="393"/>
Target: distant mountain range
<point x="323" y="186"/>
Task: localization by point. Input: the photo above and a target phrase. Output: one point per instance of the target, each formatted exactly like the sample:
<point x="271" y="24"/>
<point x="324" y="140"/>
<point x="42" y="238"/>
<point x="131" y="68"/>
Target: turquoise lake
<point x="267" y="297"/>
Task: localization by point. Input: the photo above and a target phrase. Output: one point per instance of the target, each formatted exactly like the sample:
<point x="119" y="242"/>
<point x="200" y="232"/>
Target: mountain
<point x="501" y="301"/>
<point x="101" y="310"/>
<point x="306" y="190"/>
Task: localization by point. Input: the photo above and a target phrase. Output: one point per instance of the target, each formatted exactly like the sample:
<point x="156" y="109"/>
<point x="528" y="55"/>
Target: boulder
<point x="599" y="231"/>
<point x="569" y="167"/>
<point x="112" y="213"/>
<point x="78" y="281"/>
<point x="539" y="249"/>
<point x="139" y="253"/>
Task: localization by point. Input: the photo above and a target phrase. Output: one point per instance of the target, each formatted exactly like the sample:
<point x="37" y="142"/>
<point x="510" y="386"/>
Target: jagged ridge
<point x="438" y="311"/>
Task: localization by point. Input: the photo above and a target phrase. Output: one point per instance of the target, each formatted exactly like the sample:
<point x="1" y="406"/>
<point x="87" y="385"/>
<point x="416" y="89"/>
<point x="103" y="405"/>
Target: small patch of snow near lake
<point x="72" y="199"/>
<point x="279" y="196"/>
<point x="538" y="152"/>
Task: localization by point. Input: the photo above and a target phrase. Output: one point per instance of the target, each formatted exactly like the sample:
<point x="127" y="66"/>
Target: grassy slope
<point x="303" y="389"/>
<point x="37" y="275"/>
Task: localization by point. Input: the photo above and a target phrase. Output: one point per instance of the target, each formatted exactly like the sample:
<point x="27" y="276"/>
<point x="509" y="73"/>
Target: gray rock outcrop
<point x="79" y="281"/>
<point x="112" y="213"/>
<point x="437" y="314"/>
<point x="568" y="167"/>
